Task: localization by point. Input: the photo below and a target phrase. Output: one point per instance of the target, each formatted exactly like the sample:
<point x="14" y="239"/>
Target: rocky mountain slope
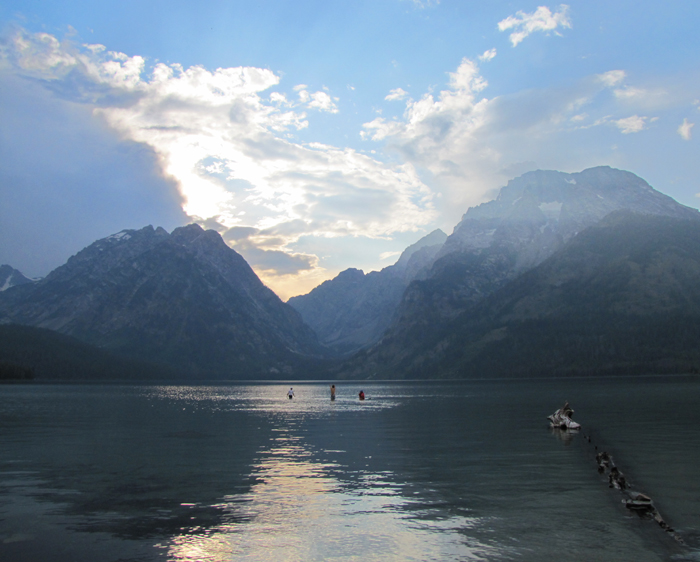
<point x="584" y="273"/>
<point x="621" y="297"/>
<point x="353" y="310"/>
<point x="534" y="216"/>
<point x="184" y="299"/>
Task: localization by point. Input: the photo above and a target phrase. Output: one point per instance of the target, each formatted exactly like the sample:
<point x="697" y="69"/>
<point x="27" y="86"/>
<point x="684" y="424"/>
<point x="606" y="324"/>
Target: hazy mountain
<point x="417" y="258"/>
<point x="183" y="299"/>
<point x="563" y="273"/>
<point x="353" y="310"/>
<point x="11" y="277"/>
<point x="532" y="217"/>
<point x="621" y="297"/>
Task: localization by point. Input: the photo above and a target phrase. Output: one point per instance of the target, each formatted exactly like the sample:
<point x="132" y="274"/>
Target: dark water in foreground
<point x="418" y="472"/>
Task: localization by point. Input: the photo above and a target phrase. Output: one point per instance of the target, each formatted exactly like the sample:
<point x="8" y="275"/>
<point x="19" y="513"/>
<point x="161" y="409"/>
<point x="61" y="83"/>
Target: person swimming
<point x="362" y="394"/>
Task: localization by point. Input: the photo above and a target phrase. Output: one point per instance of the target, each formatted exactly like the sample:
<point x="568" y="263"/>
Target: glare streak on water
<point x="298" y="510"/>
<point x="415" y="472"/>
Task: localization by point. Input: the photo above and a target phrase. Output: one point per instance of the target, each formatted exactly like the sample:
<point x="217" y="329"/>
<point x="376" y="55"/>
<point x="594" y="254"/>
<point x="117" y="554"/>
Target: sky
<point x="321" y="135"/>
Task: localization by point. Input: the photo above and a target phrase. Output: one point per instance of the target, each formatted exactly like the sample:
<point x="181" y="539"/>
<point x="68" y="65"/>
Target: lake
<point x="418" y="471"/>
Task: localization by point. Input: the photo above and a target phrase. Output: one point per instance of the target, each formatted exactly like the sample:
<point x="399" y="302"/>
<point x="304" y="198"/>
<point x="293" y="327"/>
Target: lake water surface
<point x="419" y="471"/>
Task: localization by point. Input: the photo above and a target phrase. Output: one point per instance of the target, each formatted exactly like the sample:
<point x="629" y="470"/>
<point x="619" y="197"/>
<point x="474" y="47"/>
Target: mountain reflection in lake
<point x="435" y="471"/>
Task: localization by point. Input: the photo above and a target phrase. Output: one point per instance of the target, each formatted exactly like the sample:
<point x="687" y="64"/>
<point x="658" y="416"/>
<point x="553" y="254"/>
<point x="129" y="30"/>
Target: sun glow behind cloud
<point x="414" y="158"/>
<point x="230" y="147"/>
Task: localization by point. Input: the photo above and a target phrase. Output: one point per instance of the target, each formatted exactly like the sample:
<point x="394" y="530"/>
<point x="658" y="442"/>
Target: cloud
<point x="541" y="19"/>
<point x="222" y="144"/>
<point x="684" y="130"/>
<point x="396" y="94"/>
<point x="612" y="77"/>
<point x="488" y="55"/>
<point x="468" y="145"/>
<point x="317" y="100"/>
<point x="441" y="134"/>
<point x="229" y="147"/>
<point x="646" y="99"/>
<point x="633" y="124"/>
<point x="267" y="262"/>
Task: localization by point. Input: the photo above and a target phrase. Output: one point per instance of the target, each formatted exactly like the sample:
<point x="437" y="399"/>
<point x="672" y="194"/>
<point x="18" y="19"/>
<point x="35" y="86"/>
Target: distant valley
<point x="594" y="273"/>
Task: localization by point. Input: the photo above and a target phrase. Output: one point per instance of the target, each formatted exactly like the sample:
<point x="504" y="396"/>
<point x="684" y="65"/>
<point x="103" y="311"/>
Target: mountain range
<point x="622" y="297"/>
<point x="353" y="310"/>
<point x="586" y="273"/>
<point x="184" y="300"/>
<point x="533" y="217"/>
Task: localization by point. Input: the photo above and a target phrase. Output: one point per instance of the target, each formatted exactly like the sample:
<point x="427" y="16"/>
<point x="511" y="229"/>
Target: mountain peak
<point x="187" y="234"/>
<point x="11" y="277"/>
<point x="184" y="299"/>
<point x="557" y="204"/>
<point x="436" y="238"/>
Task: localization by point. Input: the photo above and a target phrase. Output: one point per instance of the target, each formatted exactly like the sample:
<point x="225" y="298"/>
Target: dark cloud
<point x="251" y="243"/>
<point x="239" y="233"/>
<point x="66" y="180"/>
<point x="275" y="260"/>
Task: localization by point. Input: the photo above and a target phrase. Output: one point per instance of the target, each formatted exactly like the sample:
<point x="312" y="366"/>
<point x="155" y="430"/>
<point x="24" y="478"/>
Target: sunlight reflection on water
<point x="299" y="510"/>
<point x="415" y="472"/>
<point x="272" y="399"/>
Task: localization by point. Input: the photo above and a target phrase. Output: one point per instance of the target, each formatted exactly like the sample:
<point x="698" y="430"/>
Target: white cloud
<point x="469" y="145"/>
<point x="317" y="100"/>
<point x="612" y="77"/>
<point x="685" y="129"/>
<point x="645" y="99"/>
<point x="488" y="55"/>
<point x="441" y="135"/>
<point x="323" y="102"/>
<point x="230" y="150"/>
<point x="629" y="93"/>
<point x="542" y="19"/>
<point x="396" y="94"/>
<point x="227" y="136"/>
<point x="633" y="124"/>
<point x="35" y="54"/>
<point x="278" y="98"/>
<point x="642" y="98"/>
<point x="95" y="48"/>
